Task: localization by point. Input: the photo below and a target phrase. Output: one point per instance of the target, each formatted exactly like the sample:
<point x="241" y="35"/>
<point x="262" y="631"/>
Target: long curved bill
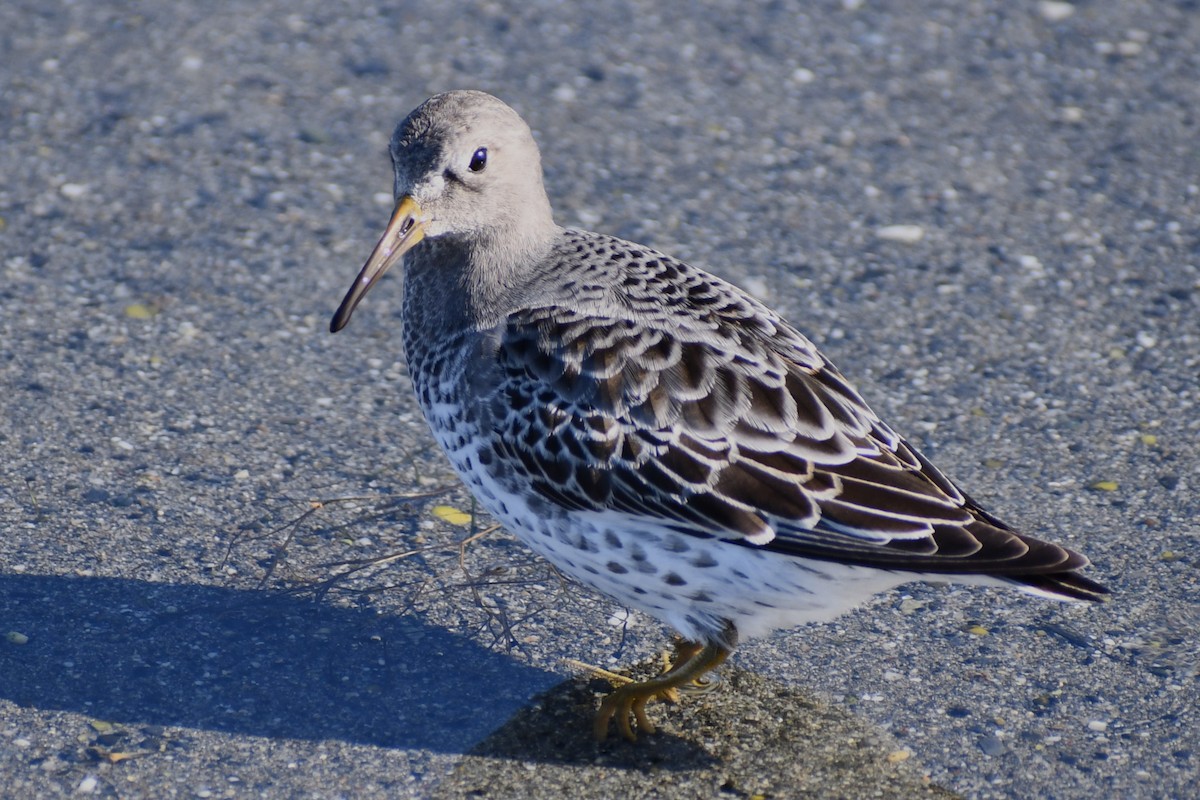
<point x="403" y="231"/>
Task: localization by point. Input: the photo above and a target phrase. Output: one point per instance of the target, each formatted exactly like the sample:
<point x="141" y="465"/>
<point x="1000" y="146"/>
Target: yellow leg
<point x="694" y="660"/>
<point x="684" y="650"/>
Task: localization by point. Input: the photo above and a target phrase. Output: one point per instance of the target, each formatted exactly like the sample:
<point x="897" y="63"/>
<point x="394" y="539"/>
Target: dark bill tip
<point x="403" y="231"/>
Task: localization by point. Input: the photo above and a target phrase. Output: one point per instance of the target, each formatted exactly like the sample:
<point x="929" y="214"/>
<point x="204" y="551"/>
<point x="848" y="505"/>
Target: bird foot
<point x="627" y="703"/>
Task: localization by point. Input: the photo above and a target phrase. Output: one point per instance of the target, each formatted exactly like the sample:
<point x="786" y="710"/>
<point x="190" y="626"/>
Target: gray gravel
<point x="987" y="213"/>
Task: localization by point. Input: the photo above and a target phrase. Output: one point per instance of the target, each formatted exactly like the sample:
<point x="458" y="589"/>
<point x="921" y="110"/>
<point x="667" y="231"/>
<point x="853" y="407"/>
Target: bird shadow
<point x="252" y="662"/>
<point x="752" y="736"/>
<point x="140" y="654"/>
<point x="555" y="728"/>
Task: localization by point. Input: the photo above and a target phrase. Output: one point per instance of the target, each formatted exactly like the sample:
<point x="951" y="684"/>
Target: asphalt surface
<point x="197" y="481"/>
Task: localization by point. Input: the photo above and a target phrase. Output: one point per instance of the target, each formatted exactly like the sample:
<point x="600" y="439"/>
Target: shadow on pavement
<point x="753" y="737"/>
<point x="251" y="662"/>
<point x="263" y="664"/>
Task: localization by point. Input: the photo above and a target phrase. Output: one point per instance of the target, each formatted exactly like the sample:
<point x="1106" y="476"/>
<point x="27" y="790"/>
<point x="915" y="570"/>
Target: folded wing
<point x="734" y="426"/>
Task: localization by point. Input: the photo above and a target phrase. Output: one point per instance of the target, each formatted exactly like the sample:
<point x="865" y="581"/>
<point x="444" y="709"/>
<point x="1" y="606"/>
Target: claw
<point x="639" y="713"/>
<point x="630" y="700"/>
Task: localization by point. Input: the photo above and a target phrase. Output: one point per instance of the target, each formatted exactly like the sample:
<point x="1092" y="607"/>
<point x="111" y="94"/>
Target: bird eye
<point x="478" y="160"/>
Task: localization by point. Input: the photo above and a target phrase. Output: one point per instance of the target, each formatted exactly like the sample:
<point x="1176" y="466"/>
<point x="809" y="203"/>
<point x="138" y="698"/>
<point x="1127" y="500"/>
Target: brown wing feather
<point x="736" y="427"/>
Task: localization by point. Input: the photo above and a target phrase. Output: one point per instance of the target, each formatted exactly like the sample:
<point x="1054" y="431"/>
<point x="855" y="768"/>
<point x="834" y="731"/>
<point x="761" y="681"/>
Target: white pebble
<point x="73" y="191"/>
<point x="1032" y="265"/>
<point x="1071" y="114"/>
<point x="1097" y="725"/>
<point x="588" y="218"/>
<point x="803" y="75"/>
<point x="1053" y="11"/>
<point x="192" y="63"/>
<point x="87" y="785"/>
<point x="621" y="618"/>
<point x="905" y="234"/>
<point x="757" y="287"/>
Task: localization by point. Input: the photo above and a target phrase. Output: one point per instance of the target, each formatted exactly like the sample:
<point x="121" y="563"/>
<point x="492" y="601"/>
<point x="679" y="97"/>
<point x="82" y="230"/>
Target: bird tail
<point x="1062" y="586"/>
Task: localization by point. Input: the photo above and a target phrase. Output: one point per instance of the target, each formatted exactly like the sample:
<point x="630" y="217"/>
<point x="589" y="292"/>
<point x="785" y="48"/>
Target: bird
<point x="650" y="429"/>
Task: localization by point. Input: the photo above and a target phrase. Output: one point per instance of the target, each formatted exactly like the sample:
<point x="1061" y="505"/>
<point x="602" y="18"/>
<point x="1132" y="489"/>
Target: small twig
<point x="497" y="614"/>
<point x="293" y="525"/>
<point x="322" y="588"/>
<point x="462" y="545"/>
<point x="361" y="577"/>
<point x="279" y="552"/>
<point x="37" y="507"/>
<point x="612" y="677"/>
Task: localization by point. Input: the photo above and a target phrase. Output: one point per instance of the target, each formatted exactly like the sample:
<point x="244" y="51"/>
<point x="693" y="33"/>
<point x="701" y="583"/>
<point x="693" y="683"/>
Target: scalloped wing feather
<point x="716" y="417"/>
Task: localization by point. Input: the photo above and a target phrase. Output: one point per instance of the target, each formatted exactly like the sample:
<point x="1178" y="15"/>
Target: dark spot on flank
<point x="704" y="560"/>
<point x="672" y="579"/>
<point x="618" y="569"/>
<point x="677" y="544"/>
<point x="612" y="540"/>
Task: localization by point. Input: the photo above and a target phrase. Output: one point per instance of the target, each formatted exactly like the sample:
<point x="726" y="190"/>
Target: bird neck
<point x="456" y="284"/>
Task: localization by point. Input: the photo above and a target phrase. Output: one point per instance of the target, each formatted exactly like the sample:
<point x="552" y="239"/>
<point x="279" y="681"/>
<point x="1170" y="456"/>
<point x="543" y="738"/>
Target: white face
<point x="467" y="171"/>
<point x="470" y="172"/>
<point x="427" y="192"/>
<point x="450" y="192"/>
